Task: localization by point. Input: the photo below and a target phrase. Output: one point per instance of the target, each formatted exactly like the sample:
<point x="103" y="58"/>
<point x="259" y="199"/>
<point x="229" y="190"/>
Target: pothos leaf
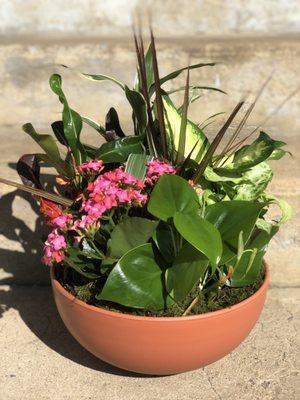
<point x="136" y="281"/>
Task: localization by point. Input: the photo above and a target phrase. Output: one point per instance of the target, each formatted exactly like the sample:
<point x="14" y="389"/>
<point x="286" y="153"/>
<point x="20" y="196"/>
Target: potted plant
<point x="157" y="239"/>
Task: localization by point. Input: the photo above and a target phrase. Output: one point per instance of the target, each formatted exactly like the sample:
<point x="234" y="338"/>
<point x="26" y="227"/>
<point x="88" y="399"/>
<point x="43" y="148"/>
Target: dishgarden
<point x="158" y="222"/>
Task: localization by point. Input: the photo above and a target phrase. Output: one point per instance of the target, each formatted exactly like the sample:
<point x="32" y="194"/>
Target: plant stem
<point x="188" y="310"/>
<point x="102" y="255"/>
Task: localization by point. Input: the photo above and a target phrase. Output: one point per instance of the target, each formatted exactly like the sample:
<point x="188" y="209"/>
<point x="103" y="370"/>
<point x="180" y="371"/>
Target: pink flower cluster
<point x="105" y="191"/>
<point x="94" y="166"/>
<point x="54" y="248"/>
<point x="63" y="221"/>
<point x="112" y="189"/>
<point x="156" y="169"/>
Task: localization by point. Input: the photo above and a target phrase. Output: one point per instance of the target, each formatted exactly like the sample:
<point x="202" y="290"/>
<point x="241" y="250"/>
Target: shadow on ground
<point x="34" y="301"/>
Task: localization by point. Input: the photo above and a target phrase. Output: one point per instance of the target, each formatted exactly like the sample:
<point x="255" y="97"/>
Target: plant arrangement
<point x="160" y="222"/>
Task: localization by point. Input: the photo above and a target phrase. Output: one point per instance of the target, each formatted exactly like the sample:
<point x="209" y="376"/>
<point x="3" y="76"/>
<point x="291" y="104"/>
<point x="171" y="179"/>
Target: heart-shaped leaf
<point x="201" y="234"/>
<point x="136" y="281"/>
<point x="232" y="217"/>
<point x="130" y="233"/>
<point x="172" y="194"/>
<point x="187" y="269"/>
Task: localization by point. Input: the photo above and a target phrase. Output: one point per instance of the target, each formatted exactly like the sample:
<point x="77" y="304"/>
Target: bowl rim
<point x="212" y="314"/>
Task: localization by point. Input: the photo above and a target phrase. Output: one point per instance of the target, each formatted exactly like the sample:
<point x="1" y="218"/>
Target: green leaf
<point x="139" y="108"/>
<point x="186" y="271"/>
<point x="174" y="74"/>
<point x="136" y="281"/>
<point x="262" y="234"/>
<point x="100" y="129"/>
<point x="164" y="240"/>
<point x="255" y="182"/>
<point x="193" y="133"/>
<point x="48" y="144"/>
<point x="80" y="263"/>
<point x="130" y="233"/>
<point x="136" y="165"/>
<point x="222" y="176"/>
<point x="183" y="124"/>
<point x="247" y="268"/>
<point x="170" y="195"/>
<point x="201" y="234"/>
<point x="253" y="154"/>
<point x="286" y="209"/>
<point x="97" y="77"/>
<point x="232" y="217"/>
<point x="119" y="150"/>
<point x="72" y="121"/>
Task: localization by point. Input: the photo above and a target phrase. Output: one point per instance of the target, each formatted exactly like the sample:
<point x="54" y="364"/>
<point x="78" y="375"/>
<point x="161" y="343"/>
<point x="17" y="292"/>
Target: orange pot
<point x="158" y="345"/>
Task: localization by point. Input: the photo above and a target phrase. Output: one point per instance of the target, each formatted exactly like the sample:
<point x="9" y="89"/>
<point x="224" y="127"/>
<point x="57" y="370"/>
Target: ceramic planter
<point x="158" y="345"/>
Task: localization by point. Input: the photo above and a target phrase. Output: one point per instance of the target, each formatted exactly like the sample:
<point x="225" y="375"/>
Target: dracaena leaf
<point x="136" y="165"/>
<point x="193" y="133"/>
<point x="247" y="268"/>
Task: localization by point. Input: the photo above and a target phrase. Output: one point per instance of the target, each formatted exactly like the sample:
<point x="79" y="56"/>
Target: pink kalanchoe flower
<point x="156" y="169"/>
<point x="112" y="189"/>
<point x="54" y="248"/>
<point x="92" y="166"/>
<point x="62" y="221"/>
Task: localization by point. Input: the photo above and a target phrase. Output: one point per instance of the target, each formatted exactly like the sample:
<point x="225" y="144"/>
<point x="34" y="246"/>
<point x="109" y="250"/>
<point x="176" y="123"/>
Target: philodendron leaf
<point x="170" y="195"/>
<point x="254" y="182"/>
<point x="247" y="268"/>
<point x="232" y="217"/>
<point x="130" y="233"/>
<point x="164" y="240"/>
<point x="139" y="108"/>
<point x="201" y="234"/>
<point x="136" y="165"/>
<point x="47" y="143"/>
<point x="119" y="150"/>
<point x="28" y="169"/>
<point x="187" y="269"/>
<point x="193" y="133"/>
<point x="136" y="281"/>
<point x="72" y="122"/>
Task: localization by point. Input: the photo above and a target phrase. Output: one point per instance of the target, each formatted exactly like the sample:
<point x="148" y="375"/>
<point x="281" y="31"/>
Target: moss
<point x="226" y="297"/>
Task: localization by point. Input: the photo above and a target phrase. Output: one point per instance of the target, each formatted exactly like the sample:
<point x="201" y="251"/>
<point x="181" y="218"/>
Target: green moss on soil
<point x="226" y="297"/>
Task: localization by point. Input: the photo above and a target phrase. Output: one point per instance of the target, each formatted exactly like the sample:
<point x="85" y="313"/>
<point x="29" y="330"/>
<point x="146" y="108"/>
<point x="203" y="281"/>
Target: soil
<point x="223" y="298"/>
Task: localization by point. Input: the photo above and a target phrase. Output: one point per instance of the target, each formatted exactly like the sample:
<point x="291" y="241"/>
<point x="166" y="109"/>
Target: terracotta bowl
<point x="158" y="346"/>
